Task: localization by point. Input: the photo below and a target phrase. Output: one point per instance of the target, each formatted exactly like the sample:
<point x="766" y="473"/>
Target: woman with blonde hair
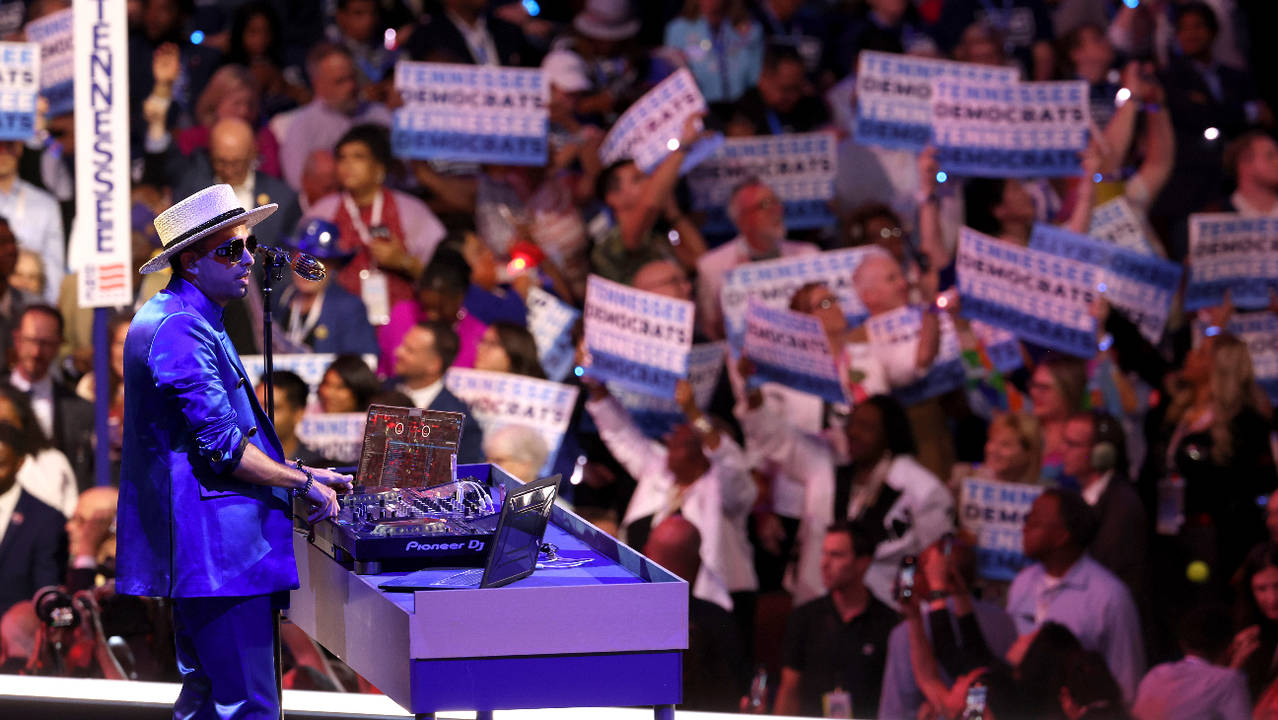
<point x="1057" y="389"/>
<point x="232" y="92"/>
<point x="1217" y="428"/>
<point x="1013" y="453"/>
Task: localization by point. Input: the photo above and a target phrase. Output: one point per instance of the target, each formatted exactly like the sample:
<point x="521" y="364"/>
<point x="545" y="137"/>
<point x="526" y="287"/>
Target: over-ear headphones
<point x="1109" y="444"/>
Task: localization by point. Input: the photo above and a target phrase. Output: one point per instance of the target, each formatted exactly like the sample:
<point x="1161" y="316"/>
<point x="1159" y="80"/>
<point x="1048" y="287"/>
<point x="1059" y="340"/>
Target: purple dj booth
<point x="608" y="632"/>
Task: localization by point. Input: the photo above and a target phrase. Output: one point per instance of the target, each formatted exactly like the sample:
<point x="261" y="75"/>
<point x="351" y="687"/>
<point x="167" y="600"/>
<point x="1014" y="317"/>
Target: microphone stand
<point x="273" y="265"/>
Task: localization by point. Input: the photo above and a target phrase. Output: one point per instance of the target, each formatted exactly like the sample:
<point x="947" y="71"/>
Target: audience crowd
<point x="823" y="544"/>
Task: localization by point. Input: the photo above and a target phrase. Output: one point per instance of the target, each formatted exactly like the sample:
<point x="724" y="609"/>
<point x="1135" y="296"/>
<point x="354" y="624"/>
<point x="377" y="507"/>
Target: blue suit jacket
<point x="33" y="552"/>
<point x="344" y="319"/>
<point x="186" y="527"/>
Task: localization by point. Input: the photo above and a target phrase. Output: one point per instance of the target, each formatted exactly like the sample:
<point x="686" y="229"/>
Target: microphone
<point x="304" y="266"/>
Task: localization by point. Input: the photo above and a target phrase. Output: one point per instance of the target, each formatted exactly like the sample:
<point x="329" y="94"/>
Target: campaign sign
<point x="636" y="339"/>
<point x="894" y="95"/>
<point x="1141" y="286"/>
<point x="498" y="399"/>
<point x="791" y="349"/>
<point x="774" y="282"/>
<point x="19" y="86"/>
<point x="471" y="113"/>
<point x="994" y="513"/>
<point x="996" y="129"/>
<point x="799" y="168"/>
<point x="1116" y="222"/>
<point x="550" y="321"/>
<point x="645" y="130"/>
<point x="1235" y="253"/>
<point x="1041" y="297"/>
<point x="1260" y="331"/>
<point x="335" y="436"/>
<point x="902" y="327"/>
<point x="656" y="415"/>
<point x="308" y="366"/>
<point x="57" y="67"/>
<point x="1001" y="346"/>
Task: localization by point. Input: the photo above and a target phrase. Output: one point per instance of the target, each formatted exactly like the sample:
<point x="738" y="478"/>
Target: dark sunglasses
<point x="233" y="249"/>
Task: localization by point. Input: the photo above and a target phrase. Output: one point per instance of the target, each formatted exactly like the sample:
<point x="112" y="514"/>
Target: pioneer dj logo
<point x="425" y="547"/>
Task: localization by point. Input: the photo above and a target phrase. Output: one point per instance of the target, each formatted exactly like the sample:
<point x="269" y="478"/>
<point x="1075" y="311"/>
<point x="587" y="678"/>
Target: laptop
<point x="512" y="555"/>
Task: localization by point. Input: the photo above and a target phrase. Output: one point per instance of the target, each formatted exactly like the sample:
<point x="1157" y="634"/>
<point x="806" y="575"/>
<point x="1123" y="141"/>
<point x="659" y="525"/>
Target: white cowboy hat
<point x="200" y="215"/>
<point x="607" y="20"/>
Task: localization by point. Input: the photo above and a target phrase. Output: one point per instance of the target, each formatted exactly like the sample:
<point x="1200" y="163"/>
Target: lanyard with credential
<point x="299" y="329"/>
<point x="357" y="221"/>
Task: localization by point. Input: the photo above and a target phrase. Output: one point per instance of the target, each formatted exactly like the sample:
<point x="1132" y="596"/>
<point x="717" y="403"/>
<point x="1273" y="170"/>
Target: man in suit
<point x="421" y="360"/>
<point x="205" y="512"/>
<point x="465" y="32"/>
<point x="64" y="417"/>
<point x="1210" y="104"/>
<point x="1096" y="454"/>
<point x="33" y="541"/>
<point x="232" y="159"/>
<point x="320" y="315"/>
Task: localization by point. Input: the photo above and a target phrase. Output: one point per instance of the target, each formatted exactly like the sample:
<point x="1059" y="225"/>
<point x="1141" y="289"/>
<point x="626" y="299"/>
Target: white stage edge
<point x="319" y="704"/>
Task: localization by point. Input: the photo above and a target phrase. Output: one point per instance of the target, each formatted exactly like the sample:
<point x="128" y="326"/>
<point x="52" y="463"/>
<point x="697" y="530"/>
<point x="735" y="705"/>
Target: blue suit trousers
<point x="226" y="655"/>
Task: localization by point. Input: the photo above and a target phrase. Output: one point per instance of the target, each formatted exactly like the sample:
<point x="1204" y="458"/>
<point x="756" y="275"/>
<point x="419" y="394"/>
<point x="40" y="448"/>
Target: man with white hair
<point x="760" y="219"/>
<point x="518" y="449"/>
<point x="883" y="289"/>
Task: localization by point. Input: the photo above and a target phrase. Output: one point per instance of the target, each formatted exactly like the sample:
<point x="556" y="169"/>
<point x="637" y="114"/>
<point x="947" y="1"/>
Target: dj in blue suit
<point x="204" y="513"/>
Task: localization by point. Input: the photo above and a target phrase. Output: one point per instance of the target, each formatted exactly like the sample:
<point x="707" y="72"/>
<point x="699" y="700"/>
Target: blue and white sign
<point x="1043" y="298"/>
<point x="996" y="129"/>
<point x="1001" y="346"/>
<point x="891" y="331"/>
<point x="656" y="415"/>
<point x="104" y="223"/>
<point x="53" y="33"/>
<point x="1228" y="251"/>
<point x="894" y="95"/>
<point x="471" y="113"/>
<point x="645" y="130"/>
<point x="791" y="349"/>
<point x="1116" y="222"/>
<point x="1260" y="331"/>
<point x="498" y="399"/>
<point x="550" y="321"/>
<point x="636" y="339"/>
<point x="308" y="366"/>
<point x="1141" y="286"/>
<point x="335" y="436"/>
<point x="994" y="513"/>
<point x="19" y="87"/>
<point x="799" y="168"/>
<point x="774" y="282"/>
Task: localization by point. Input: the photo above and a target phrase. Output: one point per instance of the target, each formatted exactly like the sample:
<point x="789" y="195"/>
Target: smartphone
<point x="975" y="707"/>
<point x="381" y="232"/>
<point x="905" y="578"/>
<point x="947" y="545"/>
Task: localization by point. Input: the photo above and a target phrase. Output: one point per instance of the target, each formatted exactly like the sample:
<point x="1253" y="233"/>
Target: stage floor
<point x="35" y="698"/>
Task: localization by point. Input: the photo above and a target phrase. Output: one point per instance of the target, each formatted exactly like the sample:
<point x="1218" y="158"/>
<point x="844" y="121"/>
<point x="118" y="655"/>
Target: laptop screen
<point x="519" y="531"/>
<point x="408" y="447"/>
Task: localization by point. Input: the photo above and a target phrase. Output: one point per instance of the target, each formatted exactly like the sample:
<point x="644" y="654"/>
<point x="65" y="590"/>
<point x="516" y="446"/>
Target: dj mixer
<point x="409" y="510"/>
